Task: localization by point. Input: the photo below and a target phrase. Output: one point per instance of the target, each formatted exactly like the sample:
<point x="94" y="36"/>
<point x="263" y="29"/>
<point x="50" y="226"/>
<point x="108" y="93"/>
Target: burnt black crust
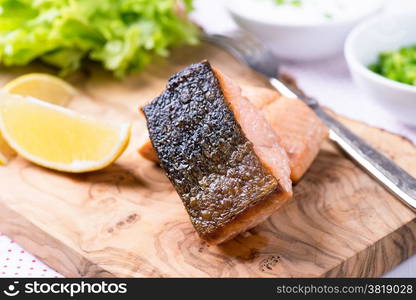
<point x="203" y="150"/>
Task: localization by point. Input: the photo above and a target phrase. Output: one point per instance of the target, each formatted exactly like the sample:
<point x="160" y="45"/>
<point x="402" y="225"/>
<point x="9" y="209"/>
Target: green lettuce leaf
<point x="123" y="35"/>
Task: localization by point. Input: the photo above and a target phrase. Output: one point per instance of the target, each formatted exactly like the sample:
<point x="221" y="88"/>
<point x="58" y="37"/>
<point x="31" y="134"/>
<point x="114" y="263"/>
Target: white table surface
<point x="329" y="81"/>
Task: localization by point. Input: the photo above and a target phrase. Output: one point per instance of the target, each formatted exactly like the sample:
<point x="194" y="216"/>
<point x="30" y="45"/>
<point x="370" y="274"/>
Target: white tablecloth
<point x="329" y="81"/>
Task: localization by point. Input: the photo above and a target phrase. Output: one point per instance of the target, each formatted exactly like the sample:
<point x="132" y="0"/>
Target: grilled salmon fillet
<point x="219" y="152"/>
<point x="260" y="97"/>
<point x="300" y="131"/>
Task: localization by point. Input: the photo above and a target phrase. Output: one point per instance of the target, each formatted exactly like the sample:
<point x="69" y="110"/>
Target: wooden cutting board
<point x="127" y="220"/>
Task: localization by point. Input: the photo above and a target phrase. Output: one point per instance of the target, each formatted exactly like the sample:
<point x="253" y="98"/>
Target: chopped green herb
<point x="297" y="3"/>
<point x="328" y="16"/>
<point x="398" y="65"/>
<point x="123" y="35"/>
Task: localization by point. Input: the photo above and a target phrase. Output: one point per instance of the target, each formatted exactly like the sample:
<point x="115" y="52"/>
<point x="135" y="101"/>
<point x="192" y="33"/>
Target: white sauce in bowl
<point x="304" y="12"/>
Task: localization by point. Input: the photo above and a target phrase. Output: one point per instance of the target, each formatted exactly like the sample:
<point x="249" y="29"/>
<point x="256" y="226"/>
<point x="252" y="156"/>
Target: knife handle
<point x="396" y="180"/>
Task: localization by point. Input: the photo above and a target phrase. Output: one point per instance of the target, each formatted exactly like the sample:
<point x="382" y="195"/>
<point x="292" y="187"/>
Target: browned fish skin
<point x="204" y="152"/>
<point x="300" y="131"/>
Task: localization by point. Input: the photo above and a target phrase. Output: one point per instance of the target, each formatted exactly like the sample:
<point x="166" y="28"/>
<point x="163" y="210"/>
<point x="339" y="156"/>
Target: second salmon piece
<point x="219" y="152"/>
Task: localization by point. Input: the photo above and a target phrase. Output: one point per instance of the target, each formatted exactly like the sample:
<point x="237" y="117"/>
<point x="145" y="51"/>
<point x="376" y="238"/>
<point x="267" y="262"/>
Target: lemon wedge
<point x="58" y="138"/>
<point x="5" y="151"/>
<point x="42" y="86"/>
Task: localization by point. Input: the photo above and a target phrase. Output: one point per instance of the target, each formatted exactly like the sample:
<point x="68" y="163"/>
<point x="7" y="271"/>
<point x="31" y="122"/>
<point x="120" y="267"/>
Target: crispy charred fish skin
<point x="204" y="151"/>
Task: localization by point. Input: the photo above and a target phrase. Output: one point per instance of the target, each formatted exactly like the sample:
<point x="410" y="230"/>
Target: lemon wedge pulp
<point x="58" y="138"/>
<point x="5" y="151"/>
<point x="41" y="86"/>
<point x="45" y="87"/>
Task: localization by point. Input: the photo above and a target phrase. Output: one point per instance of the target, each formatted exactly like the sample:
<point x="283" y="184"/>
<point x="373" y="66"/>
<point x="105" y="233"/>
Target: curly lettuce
<point x="123" y="35"/>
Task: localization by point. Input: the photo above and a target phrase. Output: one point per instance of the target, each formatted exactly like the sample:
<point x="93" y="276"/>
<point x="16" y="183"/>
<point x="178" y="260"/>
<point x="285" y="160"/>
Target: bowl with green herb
<point x="381" y="55"/>
<point x="302" y="29"/>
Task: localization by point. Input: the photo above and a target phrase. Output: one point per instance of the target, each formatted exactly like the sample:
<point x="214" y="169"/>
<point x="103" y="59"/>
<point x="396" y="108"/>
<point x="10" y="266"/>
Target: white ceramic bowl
<point x="383" y="33"/>
<point x="297" y="41"/>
